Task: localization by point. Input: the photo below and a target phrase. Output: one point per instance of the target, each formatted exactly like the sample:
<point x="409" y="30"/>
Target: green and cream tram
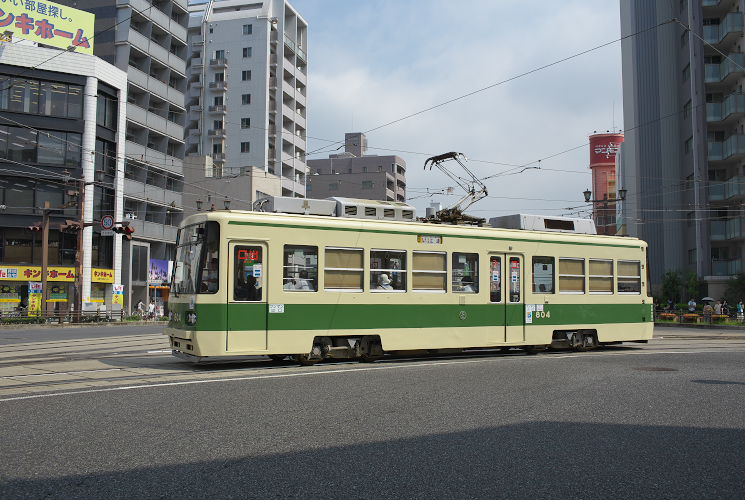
<point x="315" y="287"/>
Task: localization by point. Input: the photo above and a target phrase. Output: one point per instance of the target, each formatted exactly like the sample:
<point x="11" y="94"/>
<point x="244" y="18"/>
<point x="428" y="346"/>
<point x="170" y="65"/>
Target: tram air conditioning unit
<point x="544" y="223"/>
<point x="338" y="207"/>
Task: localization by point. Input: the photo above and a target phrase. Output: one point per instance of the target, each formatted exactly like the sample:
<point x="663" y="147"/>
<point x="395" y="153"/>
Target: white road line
<point x="352" y="370"/>
<point x="162" y="350"/>
<point x="46" y="374"/>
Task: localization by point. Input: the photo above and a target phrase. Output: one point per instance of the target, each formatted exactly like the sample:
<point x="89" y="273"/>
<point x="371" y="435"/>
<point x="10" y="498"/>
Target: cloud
<point x="374" y="62"/>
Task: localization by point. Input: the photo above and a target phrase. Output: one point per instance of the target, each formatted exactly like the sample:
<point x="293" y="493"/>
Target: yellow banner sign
<point x="48" y="23"/>
<point x="33" y="273"/>
<point x="102" y="275"/>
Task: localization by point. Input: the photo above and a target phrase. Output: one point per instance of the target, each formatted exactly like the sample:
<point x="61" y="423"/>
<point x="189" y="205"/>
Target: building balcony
<point x="726" y="267"/>
<point x="220" y="62"/>
<point x="728" y="230"/>
<point x="216" y="132"/>
<point x="727" y="71"/>
<point x="725" y="33"/>
<point x="219" y="86"/>
<point x="163" y="160"/>
<point x="197" y="42"/>
<point x="196" y="62"/>
<point x="729" y="150"/>
<point x="728" y="111"/>
<point x="196" y="85"/>
<point x="729" y="190"/>
<point x="218" y="109"/>
<point x="218" y="157"/>
<point x="195" y="132"/>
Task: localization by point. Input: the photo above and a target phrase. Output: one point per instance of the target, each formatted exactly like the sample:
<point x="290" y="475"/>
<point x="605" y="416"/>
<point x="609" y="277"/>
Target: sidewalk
<point x="671" y="330"/>
<point x="36" y="326"/>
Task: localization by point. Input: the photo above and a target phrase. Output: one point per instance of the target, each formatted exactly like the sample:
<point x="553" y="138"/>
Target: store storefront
<point x="159" y="273"/>
<point x="20" y="289"/>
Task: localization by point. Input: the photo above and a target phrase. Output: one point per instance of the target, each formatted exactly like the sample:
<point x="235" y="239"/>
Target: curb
<point x="700" y="327"/>
<point x="113" y="324"/>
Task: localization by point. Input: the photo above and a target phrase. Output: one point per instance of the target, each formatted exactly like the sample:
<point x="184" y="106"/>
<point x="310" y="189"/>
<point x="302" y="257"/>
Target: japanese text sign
<point x="48" y="23"/>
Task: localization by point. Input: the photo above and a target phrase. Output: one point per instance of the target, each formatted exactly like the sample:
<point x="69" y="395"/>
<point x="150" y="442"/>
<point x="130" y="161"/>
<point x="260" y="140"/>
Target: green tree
<point x="672" y="284"/>
<point x="735" y="291"/>
<point x="693" y="286"/>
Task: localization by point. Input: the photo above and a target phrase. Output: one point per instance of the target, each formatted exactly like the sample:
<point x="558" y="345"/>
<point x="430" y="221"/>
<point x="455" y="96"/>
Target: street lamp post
<point x="605" y="201"/>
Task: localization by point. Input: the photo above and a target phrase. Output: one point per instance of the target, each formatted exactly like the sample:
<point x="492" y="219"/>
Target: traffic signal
<point x="35" y="227"/>
<point x="70" y="226"/>
<point x="124" y="229"/>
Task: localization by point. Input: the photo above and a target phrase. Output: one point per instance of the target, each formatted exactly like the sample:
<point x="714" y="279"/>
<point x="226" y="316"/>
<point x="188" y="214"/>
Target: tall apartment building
<point x="147" y="40"/>
<point x="355" y="174"/>
<point x="247" y="78"/>
<point x="61" y="119"/>
<point x="683" y="159"/>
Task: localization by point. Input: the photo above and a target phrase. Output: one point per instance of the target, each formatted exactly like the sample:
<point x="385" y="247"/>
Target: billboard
<point x="48" y="23"/>
<point x="604" y="147"/>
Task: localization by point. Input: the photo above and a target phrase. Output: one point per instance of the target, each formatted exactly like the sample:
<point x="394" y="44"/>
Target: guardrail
<point x="21" y="317"/>
<point x="684" y="316"/>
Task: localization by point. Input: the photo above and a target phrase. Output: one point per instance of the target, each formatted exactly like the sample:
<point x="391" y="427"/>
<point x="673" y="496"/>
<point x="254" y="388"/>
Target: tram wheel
<point x="278" y="357"/>
<point x="305" y="360"/>
<point x="370" y="349"/>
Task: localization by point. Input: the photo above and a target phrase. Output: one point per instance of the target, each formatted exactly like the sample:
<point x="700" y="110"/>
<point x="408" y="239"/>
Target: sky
<point x="374" y="61"/>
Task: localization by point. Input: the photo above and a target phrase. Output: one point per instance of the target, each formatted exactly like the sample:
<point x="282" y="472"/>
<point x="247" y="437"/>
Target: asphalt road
<point x="657" y="421"/>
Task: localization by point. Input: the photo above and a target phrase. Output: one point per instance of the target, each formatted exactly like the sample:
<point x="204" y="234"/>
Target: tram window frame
<point x="306" y="275"/>
<point x="596" y="277"/>
<point x="428" y="272"/>
<point x="396" y="276"/>
<point x="256" y="293"/>
<point x="551" y="261"/>
<point x="460" y="286"/>
<point x="495" y="280"/>
<point x="623" y="278"/>
<point x="351" y="271"/>
<point x="572" y="276"/>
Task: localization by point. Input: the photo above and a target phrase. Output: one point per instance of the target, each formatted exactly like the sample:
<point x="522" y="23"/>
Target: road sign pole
<point x="45" y="258"/>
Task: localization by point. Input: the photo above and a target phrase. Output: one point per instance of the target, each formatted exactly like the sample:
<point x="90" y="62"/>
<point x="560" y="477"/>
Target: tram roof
<point x="406" y="227"/>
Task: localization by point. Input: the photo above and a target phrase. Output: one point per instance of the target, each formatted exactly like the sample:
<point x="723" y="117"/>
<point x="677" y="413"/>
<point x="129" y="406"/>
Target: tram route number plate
<point x="276" y="308"/>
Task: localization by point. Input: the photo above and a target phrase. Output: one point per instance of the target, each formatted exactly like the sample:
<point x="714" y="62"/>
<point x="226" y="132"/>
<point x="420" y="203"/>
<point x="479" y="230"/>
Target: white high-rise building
<point x="246" y="98"/>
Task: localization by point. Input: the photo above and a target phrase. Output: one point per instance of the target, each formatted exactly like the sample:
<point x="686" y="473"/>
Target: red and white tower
<point x="603" y="149"/>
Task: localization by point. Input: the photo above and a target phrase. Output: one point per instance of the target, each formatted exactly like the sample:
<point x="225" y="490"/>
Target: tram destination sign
<point x="429" y="239"/>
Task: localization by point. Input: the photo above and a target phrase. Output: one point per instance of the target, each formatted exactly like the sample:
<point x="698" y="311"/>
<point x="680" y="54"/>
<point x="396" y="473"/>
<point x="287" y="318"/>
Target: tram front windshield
<point x="195" y="269"/>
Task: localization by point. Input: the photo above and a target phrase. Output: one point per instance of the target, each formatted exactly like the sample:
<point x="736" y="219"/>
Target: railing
<point x="21" y="316"/>
<point x="718" y="111"/>
<point x="698" y="316"/>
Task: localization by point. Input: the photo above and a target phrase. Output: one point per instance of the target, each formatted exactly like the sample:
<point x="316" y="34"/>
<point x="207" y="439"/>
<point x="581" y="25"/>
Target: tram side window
<point x="388" y="270"/>
<point x="429" y="271"/>
<point x="629" y="276"/>
<point x="495" y="279"/>
<point x="571" y="275"/>
<point x="300" y="271"/>
<point x="465" y="272"/>
<point x="249" y="276"/>
<point x="343" y="269"/>
<point x="601" y="276"/>
<point x="543" y="275"/>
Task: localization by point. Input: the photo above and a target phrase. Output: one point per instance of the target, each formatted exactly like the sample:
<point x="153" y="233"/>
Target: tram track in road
<point x="137" y="370"/>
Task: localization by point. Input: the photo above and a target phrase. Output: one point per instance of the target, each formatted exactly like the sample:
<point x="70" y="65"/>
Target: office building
<point x="355" y="174"/>
<point x="62" y="121"/>
<point x="247" y="78"/>
<point x="683" y="159"/>
<point x="147" y="40"/>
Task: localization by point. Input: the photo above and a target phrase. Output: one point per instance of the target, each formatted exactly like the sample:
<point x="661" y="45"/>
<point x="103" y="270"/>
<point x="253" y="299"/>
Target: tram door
<point x="247" y="297"/>
<point x="506" y="296"/>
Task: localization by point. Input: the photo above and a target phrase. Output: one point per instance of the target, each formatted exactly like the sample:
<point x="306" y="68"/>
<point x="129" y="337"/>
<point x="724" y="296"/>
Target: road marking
<point x="46" y="374"/>
<point x="351" y="370"/>
<point x="162" y="350"/>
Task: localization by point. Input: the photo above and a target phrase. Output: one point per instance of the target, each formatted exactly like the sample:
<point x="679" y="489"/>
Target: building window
<point x="388" y="270"/>
<point x="247" y="51"/>
<point x="572" y="275"/>
<point x="218" y="100"/>
<point x="686" y="72"/>
<point x="300" y="268"/>
<point x="688" y="145"/>
<point x="217" y="124"/>
<point x="687" y="109"/>
<point x="343" y="269"/>
<point x="220" y="54"/>
<point x="692" y="256"/>
<point x="246" y="75"/>
<point x="220" y="76"/>
<point x="245" y="122"/>
<point x="367" y="184"/>
<point x="245" y="147"/>
<point x="543" y="275"/>
<point x="247" y="29"/>
<point x="217" y="148"/>
<point x="246" y="99"/>
<point x="684" y="39"/>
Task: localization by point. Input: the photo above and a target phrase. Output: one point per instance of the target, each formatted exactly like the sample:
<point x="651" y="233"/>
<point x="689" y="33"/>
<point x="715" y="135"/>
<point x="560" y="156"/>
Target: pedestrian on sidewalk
<point x="692" y="306"/>
<point x="151" y="310"/>
<point x="718" y="308"/>
<point x="740" y="311"/>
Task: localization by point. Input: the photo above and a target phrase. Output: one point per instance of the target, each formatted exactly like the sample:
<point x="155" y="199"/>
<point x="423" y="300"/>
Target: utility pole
<point x="79" y="253"/>
<point x="45" y="258"/>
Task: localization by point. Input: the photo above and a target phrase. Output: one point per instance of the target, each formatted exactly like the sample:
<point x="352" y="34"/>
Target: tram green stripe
<point x="383" y="316"/>
<point x="412" y="233"/>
